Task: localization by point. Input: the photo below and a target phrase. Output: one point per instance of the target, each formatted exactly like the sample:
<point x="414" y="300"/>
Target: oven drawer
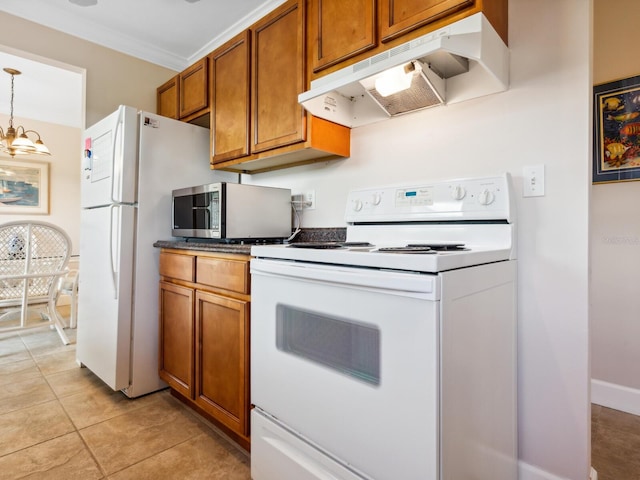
<point x="277" y="454"/>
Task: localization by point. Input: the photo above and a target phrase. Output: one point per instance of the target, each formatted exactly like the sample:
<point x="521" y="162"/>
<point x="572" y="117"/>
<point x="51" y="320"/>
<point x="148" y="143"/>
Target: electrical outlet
<point x="304" y="201"/>
<point x="309" y="198"/>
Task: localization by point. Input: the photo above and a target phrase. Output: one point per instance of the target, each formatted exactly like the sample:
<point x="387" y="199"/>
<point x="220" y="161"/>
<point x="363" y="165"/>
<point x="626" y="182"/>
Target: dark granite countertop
<point x="243" y="249"/>
<point x="305" y="235"/>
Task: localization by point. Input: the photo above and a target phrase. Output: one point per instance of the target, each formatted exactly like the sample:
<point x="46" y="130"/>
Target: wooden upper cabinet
<point x="194" y="88"/>
<point x="167" y="99"/>
<point x="278" y="74"/>
<point x="230" y="98"/>
<point x="338" y="30"/>
<point x="254" y="80"/>
<point x="398" y="17"/>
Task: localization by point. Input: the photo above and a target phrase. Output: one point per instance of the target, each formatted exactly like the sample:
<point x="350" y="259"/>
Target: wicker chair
<point x="33" y="257"/>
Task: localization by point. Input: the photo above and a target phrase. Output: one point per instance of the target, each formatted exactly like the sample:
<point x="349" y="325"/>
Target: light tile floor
<point x="59" y="421"/>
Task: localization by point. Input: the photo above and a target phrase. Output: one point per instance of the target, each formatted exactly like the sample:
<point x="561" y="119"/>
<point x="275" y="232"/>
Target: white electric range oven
<point x="391" y="355"/>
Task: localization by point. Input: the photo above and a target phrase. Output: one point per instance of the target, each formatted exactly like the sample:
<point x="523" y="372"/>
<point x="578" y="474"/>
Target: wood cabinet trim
<point x="204" y="253"/>
<point x="325" y="141"/>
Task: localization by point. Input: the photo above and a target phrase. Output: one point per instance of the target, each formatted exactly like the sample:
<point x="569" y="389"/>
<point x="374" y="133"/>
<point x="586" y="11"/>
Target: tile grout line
<point x="57" y="399"/>
<point x="77" y="431"/>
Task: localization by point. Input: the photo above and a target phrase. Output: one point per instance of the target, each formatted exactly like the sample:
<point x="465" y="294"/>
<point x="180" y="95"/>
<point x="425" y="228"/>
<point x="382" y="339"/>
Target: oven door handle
<point x="388" y="280"/>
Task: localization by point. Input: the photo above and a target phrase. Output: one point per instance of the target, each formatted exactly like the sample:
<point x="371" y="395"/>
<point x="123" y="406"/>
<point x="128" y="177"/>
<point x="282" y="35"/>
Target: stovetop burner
<point x="316" y="245"/>
<point x="330" y="245"/>
<point x="439" y="247"/>
<point x="407" y="249"/>
<point x="410" y="248"/>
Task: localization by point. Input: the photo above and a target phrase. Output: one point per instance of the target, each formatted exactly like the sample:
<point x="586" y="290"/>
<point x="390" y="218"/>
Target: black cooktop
<point x="410" y="248"/>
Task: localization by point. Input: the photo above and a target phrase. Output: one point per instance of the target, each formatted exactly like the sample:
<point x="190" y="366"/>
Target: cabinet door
<point x="230" y="94"/>
<point x="167" y="99"/>
<point x="176" y="337"/>
<point x="194" y="88"/>
<point x="278" y="77"/>
<point x="398" y="17"/>
<point x="222" y="359"/>
<point x="338" y="30"/>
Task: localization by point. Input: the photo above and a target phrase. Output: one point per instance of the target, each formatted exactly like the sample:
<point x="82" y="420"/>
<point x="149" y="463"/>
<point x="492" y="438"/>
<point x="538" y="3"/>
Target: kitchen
<point x="502" y="134"/>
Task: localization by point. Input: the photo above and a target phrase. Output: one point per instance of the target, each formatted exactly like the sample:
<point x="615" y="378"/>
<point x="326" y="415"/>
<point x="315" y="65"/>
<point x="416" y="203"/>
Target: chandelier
<point x="15" y="141"/>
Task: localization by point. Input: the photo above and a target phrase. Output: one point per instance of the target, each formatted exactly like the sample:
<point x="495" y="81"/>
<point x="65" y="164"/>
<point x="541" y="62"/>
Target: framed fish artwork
<point x="616" y="149"/>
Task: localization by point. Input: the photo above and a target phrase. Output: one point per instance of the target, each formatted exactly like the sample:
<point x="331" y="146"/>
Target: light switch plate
<point x="533" y="181"/>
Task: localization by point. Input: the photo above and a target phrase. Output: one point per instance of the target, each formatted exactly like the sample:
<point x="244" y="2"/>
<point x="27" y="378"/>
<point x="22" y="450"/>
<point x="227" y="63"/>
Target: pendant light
<point x="15" y="140"/>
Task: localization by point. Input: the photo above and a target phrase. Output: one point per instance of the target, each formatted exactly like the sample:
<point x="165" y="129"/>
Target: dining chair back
<point x="33" y="257"/>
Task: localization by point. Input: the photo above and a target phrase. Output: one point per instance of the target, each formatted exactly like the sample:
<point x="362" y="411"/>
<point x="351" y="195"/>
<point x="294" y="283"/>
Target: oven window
<point x="349" y="347"/>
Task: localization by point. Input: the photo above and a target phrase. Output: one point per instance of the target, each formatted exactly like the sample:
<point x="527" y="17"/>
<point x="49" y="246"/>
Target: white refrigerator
<point x="132" y="161"/>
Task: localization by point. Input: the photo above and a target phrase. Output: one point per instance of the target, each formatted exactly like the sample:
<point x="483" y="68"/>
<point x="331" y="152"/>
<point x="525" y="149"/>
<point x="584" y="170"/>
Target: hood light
<point x="396" y="79"/>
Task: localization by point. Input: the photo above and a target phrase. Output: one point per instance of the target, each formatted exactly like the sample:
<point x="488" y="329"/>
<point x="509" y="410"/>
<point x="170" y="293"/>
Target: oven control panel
<point x="485" y="198"/>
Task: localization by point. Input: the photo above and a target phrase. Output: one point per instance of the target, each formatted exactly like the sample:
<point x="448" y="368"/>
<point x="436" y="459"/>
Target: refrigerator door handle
<point x="112" y="250"/>
<point x="116" y="136"/>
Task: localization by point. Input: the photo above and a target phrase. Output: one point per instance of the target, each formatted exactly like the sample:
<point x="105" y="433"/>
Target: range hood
<point x="464" y="60"/>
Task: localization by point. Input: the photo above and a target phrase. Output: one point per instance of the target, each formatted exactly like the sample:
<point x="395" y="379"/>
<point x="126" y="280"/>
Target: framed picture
<point x="24" y="187"/>
<point x="616" y="152"/>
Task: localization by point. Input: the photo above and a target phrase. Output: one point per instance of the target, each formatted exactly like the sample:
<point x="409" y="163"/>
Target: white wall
<point x="113" y="78"/>
<point x="64" y="176"/>
<point x="615" y="246"/>
<point x="544" y="118"/>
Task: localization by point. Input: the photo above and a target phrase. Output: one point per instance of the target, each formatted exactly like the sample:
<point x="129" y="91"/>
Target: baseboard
<point x="614" y="396"/>
<point x="529" y="472"/>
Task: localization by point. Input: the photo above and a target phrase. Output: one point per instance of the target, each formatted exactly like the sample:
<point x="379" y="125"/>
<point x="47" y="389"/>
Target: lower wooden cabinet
<point x="176" y="337"/>
<point x="222" y="355"/>
<point x="204" y="335"/>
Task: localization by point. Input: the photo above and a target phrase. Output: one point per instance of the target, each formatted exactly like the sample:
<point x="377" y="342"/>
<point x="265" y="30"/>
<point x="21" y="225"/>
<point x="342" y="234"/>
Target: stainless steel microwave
<point x="231" y="211"/>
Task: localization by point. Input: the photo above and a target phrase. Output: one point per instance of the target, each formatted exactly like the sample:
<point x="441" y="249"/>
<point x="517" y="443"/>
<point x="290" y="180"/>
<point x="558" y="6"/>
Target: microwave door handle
<point x="112" y="250"/>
